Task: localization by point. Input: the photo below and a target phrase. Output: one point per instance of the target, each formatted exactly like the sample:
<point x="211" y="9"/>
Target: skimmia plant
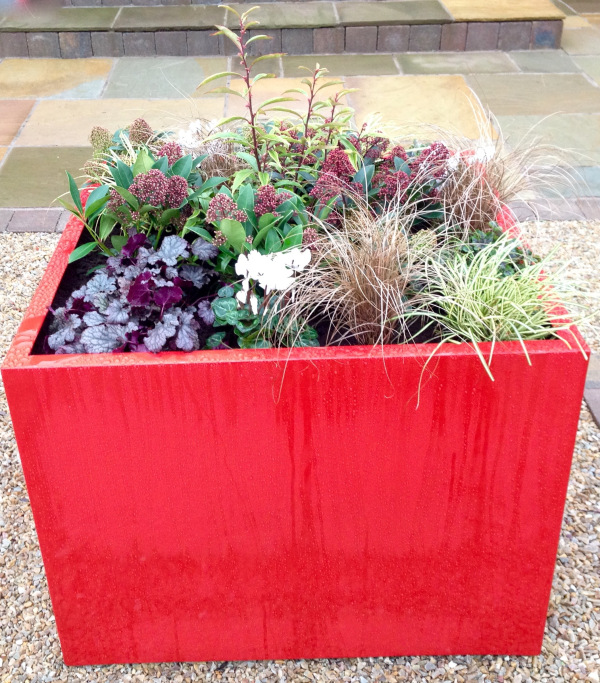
<point x="286" y="226"/>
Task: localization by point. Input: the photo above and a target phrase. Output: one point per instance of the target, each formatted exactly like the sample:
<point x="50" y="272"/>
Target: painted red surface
<point x="282" y="504"/>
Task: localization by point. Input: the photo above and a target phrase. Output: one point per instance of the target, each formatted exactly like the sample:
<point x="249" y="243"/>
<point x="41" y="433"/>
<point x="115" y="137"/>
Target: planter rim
<point x="19" y="354"/>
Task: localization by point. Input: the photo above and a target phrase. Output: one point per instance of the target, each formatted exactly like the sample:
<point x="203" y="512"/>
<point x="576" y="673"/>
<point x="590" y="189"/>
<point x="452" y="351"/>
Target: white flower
<point x="270" y="271"/>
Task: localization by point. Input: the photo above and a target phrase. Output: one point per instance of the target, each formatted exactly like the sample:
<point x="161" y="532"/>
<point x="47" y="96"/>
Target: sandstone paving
<point x="62" y="123"/>
<point x="161" y="77"/>
<point x="576" y="136"/>
<point x="456" y="63"/>
<point x="35" y="176"/>
<point x="12" y="115"/>
<point x="341" y="65"/>
<point x="590" y="65"/>
<point x="406" y="103"/>
<point x="42" y="78"/>
<point x="544" y="61"/>
<point x="507" y="94"/>
<point x="581" y="41"/>
<point x="506" y="10"/>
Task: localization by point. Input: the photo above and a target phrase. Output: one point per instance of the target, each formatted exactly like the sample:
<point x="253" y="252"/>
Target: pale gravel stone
<point x="29" y="647"/>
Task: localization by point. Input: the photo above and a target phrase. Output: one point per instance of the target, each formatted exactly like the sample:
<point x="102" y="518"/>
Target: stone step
<point x="307" y="27"/>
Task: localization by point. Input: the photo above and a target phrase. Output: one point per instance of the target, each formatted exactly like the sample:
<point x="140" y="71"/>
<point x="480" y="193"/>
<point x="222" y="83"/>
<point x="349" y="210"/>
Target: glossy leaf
<point x="82" y="251"/>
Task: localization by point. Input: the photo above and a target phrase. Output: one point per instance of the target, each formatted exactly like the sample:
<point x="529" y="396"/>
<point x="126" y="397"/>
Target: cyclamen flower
<point x="267" y="200"/>
<point x="177" y="191"/>
<point x="172" y="151"/>
<point x="140" y="132"/>
<point x="270" y="271"/>
<point x="221" y="206"/>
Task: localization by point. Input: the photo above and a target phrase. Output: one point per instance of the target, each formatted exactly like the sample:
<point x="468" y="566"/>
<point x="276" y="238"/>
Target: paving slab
<point x="35" y="177"/>
<point x="577" y="134"/>
<point x="515" y="94"/>
<point x="342" y="65"/>
<point x="585" y="6"/>
<point x="58" y="123"/>
<point x="592" y="398"/>
<point x="12" y="115"/>
<point x="456" y="63"/>
<point x="412" y="102"/>
<point x="386" y="13"/>
<point x="502" y="10"/>
<point x="543" y="61"/>
<point x="305" y="14"/>
<point x="41" y="78"/>
<point x="66" y="19"/>
<point x="2" y="153"/>
<point x="160" y="77"/>
<point x="590" y="65"/>
<point x="584" y="182"/>
<point x="34" y="220"/>
<point x="174" y="17"/>
<point x="581" y="41"/>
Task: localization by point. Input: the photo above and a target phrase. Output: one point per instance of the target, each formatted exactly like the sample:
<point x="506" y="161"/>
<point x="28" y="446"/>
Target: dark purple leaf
<point x="133" y="244"/>
<point x="140" y="292"/>
<point x="167" y="296"/>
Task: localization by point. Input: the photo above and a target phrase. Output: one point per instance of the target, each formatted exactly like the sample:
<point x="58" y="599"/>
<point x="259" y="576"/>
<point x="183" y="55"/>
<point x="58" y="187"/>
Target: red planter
<point x="282" y="504"/>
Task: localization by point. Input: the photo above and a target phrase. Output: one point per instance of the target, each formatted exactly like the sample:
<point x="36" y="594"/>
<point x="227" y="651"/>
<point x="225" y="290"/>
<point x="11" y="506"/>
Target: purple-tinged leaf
<point x="171" y="248"/>
<point x="94" y="318"/>
<point x="157" y="337"/>
<point x="133" y="244"/>
<point x="140" y="292"/>
<point x="204" y="250"/>
<point x="197" y="275"/>
<point x="187" y="335"/>
<point x="206" y="313"/>
<point x="102" y="338"/>
<point x="168" y="296"/>
<point x="117" y="313"/>
<point x="101" y="283"/>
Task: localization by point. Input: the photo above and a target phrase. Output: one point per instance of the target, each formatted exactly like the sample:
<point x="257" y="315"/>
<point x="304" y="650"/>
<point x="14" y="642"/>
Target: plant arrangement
<point x="279" y="228"/>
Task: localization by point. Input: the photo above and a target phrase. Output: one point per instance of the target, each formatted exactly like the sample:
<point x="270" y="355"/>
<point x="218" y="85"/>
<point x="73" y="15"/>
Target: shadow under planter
<point x="251" y="504"/>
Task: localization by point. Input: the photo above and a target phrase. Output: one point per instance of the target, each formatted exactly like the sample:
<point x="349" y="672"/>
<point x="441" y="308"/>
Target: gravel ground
<point x="29" y="647"/>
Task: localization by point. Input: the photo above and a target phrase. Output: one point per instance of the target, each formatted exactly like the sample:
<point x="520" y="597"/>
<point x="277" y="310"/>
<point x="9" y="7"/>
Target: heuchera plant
<point x="143" y="300"/>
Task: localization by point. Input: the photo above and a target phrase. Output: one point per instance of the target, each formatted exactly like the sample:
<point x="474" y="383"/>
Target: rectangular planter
<point x="234" y="505"/>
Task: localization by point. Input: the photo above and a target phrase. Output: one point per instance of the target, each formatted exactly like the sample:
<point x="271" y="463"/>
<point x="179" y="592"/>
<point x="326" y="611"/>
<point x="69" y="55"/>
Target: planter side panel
<point x="255" y="510"/>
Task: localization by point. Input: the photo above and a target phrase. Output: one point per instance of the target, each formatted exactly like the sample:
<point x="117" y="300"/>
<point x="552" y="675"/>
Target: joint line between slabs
<point x="108" y="77"/>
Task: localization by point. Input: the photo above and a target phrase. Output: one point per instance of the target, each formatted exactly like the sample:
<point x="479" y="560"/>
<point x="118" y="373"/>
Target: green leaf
<point x="143" y="163"/>
<point x="294" y="237"/>
<point x="183" y="166"/>
<point x="264" y="178"/>
<point x="235" y="233"/>
<point x="401" y="165"/>
<point x="224" y="90"/>
<point x="82" y="251"/>
<point x="223" y="306"/>
<point x="68" y="207"/>
<point x="364" y="175"/>
<point x="249" y="159"/>
<point x="74" y="190"/>
<point x="214" y="340"/>
<point x="260" y="77"/>
<point x="118" y="241"/>
<point x="272" y="241"/>
<point x="128" y="197"/>
<point x="240" y="176"/>
<point x="126" y="174"/>
<point x="214" y="77"/>
<point x="162" y="164"/>
<point x="265" y="223"/>
<point x="168" y="216"/>
<point x="225" y="292"/>
<point x="107" y="223"/>
<point x="276" y="100"/>
<point x="245" y="199"/>
<point x="196" y="229"/>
